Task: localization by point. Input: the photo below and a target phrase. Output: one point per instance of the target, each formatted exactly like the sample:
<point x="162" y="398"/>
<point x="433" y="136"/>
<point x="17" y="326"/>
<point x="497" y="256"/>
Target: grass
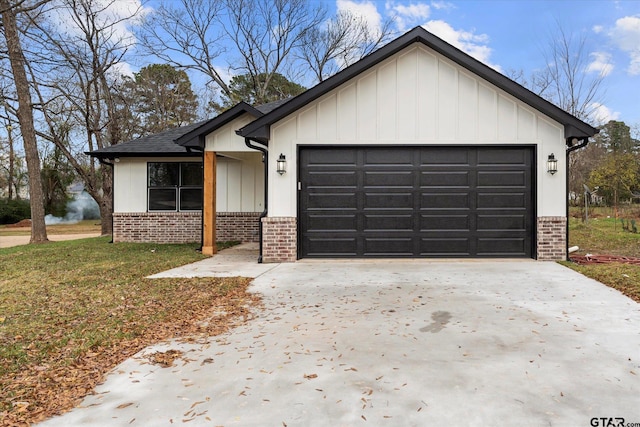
<point x="82" y="227"/>
<point x="71" y="311"/>
<point x="603" y="235"/>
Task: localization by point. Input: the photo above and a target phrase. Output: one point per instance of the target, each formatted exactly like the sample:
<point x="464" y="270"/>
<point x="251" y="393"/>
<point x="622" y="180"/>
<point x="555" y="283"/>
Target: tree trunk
<point x="106" y="201"/>
<point x="11" y="160"/>
<point x="25" y="119"/>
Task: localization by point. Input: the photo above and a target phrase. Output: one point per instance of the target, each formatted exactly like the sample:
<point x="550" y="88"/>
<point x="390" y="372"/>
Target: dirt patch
<point x="10" y="241"/>
<point x="24" y="223"/>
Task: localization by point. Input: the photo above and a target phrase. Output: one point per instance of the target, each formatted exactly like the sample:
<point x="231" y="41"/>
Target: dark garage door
<point x="416" y="202"/>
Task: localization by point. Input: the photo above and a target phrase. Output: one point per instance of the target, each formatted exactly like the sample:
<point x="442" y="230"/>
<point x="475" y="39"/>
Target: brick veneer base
<point x="552" y="235"/>
<point x="183" y="227"/>
<point x="279" y="239"/>
<point x="242" y="226"/>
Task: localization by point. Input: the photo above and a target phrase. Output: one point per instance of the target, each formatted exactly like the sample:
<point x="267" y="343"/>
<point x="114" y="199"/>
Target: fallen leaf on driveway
<point x="124" y="405"/>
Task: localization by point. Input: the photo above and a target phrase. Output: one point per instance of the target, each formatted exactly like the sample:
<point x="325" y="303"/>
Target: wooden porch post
<point x="209" y="204"/>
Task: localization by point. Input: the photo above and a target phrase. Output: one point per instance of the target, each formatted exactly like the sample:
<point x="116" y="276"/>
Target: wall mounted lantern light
<point x="552" y="164"/>
<point x="281" y="164"/>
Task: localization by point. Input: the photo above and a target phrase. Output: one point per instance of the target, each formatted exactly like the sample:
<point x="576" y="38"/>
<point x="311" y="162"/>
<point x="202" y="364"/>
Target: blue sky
<point x="508" y="35"/>
<point x="512" y="35"/>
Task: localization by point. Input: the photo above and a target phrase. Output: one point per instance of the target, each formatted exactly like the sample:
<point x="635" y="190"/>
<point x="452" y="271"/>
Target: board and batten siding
<point x="417" y="97"/>
<point x="240" y="182"/>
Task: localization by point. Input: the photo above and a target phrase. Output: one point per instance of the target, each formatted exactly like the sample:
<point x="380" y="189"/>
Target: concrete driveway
<point x="397" y="343"/>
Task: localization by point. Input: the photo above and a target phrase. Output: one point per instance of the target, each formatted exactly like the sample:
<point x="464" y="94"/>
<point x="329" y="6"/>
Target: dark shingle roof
<point x="159" y="144"/>
<point x="195" y="138"/>
<point x="259" y="129"/>
<point x="182" y="141"/>
<point x="267" y="108"/>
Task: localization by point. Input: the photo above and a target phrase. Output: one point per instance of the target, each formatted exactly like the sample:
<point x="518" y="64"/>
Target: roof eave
<point x="196" y="138"/>
<point x="115" y="155"/>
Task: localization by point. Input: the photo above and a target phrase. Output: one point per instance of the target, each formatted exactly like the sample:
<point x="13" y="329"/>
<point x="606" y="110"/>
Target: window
<point x="174" y="186"/>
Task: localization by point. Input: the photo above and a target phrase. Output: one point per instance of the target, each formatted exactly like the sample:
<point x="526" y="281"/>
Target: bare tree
<point x="187" y="37"/>
<point x="566" y="80"/>
<point x="24" y="112"/>
<point x="74" y="79"/>
<point x="258" y="38"/>
<point x="339" y="42"/>
<point x="266" y="33"/>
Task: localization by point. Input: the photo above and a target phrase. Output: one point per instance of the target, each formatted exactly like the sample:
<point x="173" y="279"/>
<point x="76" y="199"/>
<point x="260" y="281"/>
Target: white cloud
<point x="120" y="16"/>
<point x="473" y="44"/>
<point x="408" y="15"/>
<point x="117" y="18"/>
<point x="121" y="69"/>
<point x="601" y="63"/>
<point x="601" y="114"/>
<point x="366" y="9"/>
<point x="626" y="35"/>
<point x="442" y="5"/>
<point x="598" y="29"/>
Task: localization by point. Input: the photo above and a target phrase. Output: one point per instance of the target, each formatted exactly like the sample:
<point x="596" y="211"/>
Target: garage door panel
<point x="332" y="201"/>
<point x="444" y="156"/>
<point x="444" y="200"/>
<point x="501" y="222"/>
<point x="445" y="247"/>
<point x="388" y="179"/>
<point x="502" y="246"/>
<point x="331" y="179"/>
<point x="328" y="158"/>
<point x="500" y="156"/>
<point x="388" y="157"/>
<point x="445" y="222"/>
<point x="515" y="200"/>
<point x="389" y="222"/>
<point x="388" y="200"/>
<point x="331" y="247"/>
<point x="445" y="179"/>
<point x="502" y="179"/>
<point x="398" y="246"/>
<point x="328" y="223"/>
<point x="450" y="201"/>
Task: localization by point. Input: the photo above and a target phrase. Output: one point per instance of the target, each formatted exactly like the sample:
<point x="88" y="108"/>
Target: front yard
<point x="71" y="311"/>
<point x="605" y="235"/>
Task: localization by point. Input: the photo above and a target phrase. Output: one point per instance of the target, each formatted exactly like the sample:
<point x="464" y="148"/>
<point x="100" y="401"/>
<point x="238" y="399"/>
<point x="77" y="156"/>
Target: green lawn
<point x="70" y="311"/>
<point x="602" y="235"/>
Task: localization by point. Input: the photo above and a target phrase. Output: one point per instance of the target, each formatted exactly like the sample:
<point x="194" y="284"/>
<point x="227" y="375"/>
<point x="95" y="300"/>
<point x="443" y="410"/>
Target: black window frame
<point x="175" y="185"/>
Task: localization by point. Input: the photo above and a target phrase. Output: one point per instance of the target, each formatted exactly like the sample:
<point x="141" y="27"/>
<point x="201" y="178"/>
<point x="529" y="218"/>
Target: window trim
<point x="177" y="188"/>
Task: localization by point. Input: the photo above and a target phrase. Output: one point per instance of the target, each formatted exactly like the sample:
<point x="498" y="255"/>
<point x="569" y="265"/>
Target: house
<point x="417" y="150"/>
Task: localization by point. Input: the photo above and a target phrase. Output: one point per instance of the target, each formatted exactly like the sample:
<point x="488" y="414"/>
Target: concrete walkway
<point x="395" y="343"/>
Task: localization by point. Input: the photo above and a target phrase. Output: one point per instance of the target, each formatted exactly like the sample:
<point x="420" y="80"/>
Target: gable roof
<point x="259" y="129"/>
<point x="157" y="145"/>
<point x="195" y="138"/>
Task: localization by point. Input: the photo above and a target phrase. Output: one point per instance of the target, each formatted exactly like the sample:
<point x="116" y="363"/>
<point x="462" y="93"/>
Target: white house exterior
<point x="239" y="175"/>
<point x="418" y="150"/>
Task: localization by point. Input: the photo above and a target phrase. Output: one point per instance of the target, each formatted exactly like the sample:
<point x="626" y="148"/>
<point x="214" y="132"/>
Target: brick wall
<point x="552" y="234"/>
<point x="242" y="226"/>
<point x="183" y="227"/>
<point x="279" y="239"/>
<point x="157" y="227"/>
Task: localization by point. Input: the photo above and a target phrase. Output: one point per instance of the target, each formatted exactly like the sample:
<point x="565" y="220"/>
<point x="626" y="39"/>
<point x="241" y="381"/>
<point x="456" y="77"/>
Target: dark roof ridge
<point x="195" y="138"/>
<point x="259" y="129"/>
